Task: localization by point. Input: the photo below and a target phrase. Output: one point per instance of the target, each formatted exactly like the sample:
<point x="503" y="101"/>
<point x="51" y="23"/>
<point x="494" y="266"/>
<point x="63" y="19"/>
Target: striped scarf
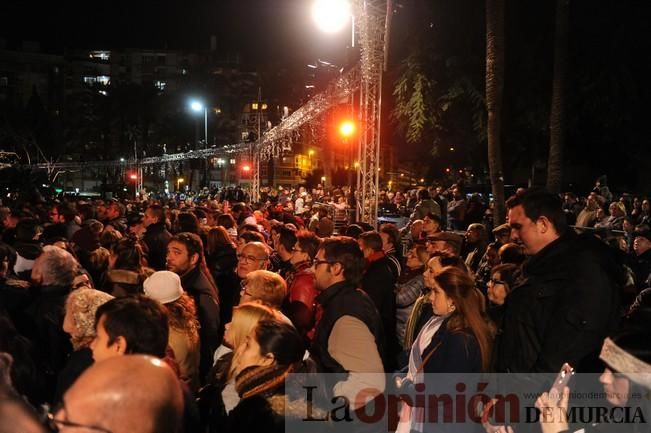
<point x="261" y="380"/>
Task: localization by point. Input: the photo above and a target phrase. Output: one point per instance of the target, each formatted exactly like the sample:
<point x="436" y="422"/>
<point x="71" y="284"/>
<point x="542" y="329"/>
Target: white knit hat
<point x="163" y="286"/>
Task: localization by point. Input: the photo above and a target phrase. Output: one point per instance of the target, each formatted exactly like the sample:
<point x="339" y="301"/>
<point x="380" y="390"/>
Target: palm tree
<point x="557" y="112"/>
<point x="494" y="92"/>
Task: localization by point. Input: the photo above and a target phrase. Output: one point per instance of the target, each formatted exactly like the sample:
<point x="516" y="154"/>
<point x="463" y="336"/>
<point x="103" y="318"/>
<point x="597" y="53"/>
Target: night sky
<point x="259" y="29"/>
<point x="609" y="65"/>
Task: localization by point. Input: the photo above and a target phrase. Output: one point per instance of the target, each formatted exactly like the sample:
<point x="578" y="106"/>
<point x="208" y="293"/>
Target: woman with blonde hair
<point x="214" y="408"/>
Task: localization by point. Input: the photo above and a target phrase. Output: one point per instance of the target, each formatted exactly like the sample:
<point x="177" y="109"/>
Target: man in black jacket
<point x="379" y="281"/>
<point x="185" y="258"/>
<point x="565" y="302"/>
<point x="156" y="237"/>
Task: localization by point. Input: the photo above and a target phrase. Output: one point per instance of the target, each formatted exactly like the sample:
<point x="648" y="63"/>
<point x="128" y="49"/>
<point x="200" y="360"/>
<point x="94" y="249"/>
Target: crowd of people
<point x="169" y="315"/>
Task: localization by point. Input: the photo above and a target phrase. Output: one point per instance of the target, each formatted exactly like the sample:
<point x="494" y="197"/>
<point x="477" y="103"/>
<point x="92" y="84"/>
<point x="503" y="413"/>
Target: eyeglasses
<point x="248" y="259"/>
<point x="496" y="281"/>
<point x="320" y="262"/>
<point x="54" y="425"/>
<point x="243" y="291"/>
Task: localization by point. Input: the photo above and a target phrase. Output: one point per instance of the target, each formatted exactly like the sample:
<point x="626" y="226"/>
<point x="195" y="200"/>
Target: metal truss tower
<point x="372" y="20"/>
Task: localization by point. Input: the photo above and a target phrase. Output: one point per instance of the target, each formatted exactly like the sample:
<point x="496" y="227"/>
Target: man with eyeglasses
<point x="301" y="282"/>
<point x="126" y="394"/>
<point x="348" y="337"/>
<point x="252" y="256"/>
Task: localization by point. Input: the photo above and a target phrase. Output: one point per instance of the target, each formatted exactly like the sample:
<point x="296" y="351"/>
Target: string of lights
<point x="152" y="160"/>
<point x="280" y="138"/>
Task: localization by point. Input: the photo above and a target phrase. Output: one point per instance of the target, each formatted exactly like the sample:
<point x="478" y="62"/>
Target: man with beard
<point x="348" y="338"/>
<point x="185" y="257"/>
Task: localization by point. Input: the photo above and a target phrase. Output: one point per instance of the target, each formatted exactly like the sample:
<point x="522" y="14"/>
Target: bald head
<point x="131" y="393"/>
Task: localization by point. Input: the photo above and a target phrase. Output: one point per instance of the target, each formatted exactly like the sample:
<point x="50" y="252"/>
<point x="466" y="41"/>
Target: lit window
<point x="100" y="55"/>
<point x="104" y="80"/>
<point x="160" y="85"/>
<point x="264" y="106"/>
<point x="254" y="106"/>
<point x="90" y="80"/>
<point x="233" y="161"/>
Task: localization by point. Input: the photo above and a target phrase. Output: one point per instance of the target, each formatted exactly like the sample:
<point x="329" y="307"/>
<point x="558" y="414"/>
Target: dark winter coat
<point x="561" y="308"/>
<point x="453" y="352"/>
<point x="77" y="363"/>
<point x="221" y="264"/>
<point x="379" y="282"/>
<point x="200" y="287"/>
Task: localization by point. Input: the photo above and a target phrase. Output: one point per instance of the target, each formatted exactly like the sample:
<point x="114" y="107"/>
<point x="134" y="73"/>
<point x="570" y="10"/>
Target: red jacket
<point x="301" y="285"/>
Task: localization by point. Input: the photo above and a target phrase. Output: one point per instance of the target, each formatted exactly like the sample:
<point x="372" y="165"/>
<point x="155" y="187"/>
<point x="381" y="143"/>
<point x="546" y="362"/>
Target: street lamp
<point x="134" y="178"/>
<point x="197" y="107"/>
<point x="331" y="15"/>
<point x="346" y="131"/>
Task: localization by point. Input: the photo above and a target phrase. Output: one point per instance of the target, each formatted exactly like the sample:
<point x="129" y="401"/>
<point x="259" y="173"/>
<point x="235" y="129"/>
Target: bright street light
<point x="347" y="128"/>
<point x="197" y="107"/>
<point x="331" y="16"/>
